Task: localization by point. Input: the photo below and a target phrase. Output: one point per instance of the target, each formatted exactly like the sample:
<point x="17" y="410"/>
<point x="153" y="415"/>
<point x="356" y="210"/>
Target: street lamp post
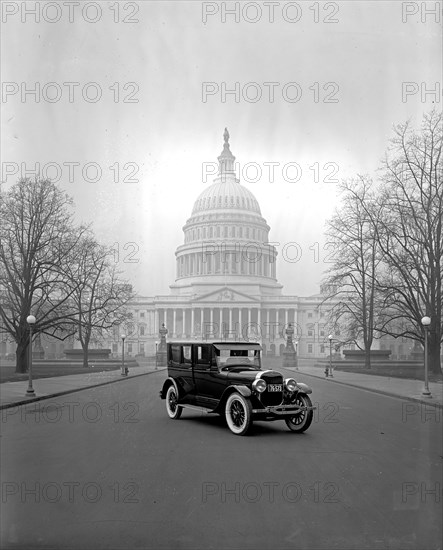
<point x="296" y="354"/>
<point x="156" y="356"/>
<point x="31" y="322"/>
<point x="426" y="321"/>
<point x="330" y="356"/>
<point x="123" y="373"/>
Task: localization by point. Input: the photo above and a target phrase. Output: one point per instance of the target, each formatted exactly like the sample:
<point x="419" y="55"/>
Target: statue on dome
<point x="226" y="135"/>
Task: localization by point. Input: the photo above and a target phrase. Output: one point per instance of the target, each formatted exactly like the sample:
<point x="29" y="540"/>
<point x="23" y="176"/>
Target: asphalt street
<point x="107" y="468"/>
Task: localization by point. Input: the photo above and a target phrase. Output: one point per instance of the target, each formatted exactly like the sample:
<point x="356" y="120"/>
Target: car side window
<point x="187" y="354"/>
<point x="203" y="356"/>
<point x="175" y="356"/>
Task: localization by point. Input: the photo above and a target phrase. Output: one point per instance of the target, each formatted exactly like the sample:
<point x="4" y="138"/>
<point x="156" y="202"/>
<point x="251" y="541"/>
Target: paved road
<point x="106" y="468"/>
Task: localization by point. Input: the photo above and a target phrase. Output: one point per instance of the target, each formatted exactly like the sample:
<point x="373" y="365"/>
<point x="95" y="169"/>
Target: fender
<point x="241" y="389"/>
<point x="168" y="382"/>
<point x="304" y="388"/>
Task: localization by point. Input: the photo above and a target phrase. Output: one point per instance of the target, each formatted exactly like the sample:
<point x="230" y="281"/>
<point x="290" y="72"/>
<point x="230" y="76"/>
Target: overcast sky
<point x="338" y="70"/>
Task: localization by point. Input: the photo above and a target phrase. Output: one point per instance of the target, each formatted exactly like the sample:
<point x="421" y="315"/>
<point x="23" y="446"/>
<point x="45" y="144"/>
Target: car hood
<point x="250" y="375"/>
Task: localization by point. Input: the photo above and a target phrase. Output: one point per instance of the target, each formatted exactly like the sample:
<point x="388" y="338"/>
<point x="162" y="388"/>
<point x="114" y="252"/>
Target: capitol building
<point x="226" y="285"/>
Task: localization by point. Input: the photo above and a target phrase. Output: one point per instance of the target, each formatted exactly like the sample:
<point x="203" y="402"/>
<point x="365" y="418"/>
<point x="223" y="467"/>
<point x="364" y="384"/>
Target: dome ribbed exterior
<point x="226" y="195"/>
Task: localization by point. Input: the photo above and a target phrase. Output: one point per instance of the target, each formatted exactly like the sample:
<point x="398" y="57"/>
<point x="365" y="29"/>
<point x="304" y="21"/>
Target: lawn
<point x="414" y="373"/>
<point x="8" y="374"/>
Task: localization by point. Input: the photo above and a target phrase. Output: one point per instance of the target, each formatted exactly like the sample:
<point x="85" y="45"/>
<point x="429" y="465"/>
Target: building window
<point x="309" y="348"/>
<point x="142" y="331"/>
<point x="322" y="348"/>
<point x="310" y="315"/>
<point x="142" y="348"/>
<point x="114" y="348"/>
<point x="129" y="348"/>
<point x="142" y="314"/>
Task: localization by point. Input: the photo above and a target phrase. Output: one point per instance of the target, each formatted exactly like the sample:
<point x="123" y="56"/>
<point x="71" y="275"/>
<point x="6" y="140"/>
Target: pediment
<point x="225" y="295"/>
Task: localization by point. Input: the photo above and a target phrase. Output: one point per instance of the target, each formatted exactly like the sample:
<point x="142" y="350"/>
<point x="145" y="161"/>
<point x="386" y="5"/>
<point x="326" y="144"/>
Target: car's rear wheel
<point x="302" y="420"/>
<point x="238" y="411"/>
<point x="173" y="409"/>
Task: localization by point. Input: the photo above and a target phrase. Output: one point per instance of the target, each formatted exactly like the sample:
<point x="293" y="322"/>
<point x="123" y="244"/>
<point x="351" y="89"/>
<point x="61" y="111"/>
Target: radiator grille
<point x="274" y="397"/>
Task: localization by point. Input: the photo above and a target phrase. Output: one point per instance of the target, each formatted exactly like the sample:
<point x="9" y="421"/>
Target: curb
<point x="74" y="390"/>
<point x="381" y="392"/>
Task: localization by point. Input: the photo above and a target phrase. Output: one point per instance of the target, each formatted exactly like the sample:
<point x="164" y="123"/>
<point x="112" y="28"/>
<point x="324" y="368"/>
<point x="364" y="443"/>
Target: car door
<point x="209" y="383"/>
<point x="180" y="369"/>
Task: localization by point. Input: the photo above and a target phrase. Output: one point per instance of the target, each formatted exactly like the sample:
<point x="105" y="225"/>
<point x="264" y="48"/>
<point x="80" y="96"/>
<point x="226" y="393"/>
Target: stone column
<point x="156" y="321"/>
<point x="230" y="321"/>
<point x="192" y="322"/>
<point x="174" y="323"/>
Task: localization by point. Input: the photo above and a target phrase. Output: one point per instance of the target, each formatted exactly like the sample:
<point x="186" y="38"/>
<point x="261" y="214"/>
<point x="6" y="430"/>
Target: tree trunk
<point x="22" y="357"/>
<point x="434" y="354"/>
<point x="85" y="356"/>
<point x="367" y="358"/>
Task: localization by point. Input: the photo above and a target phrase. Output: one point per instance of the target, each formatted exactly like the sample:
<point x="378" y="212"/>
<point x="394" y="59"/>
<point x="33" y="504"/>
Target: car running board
<point x="197" y="408"/>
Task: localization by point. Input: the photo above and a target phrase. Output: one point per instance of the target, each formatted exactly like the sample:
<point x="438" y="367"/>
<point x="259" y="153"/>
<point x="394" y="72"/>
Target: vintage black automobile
<point x="227" y="379"/>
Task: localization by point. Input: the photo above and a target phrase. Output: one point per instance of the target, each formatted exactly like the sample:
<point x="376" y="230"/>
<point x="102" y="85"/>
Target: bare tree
<point x="37" y="240"/>
<point x="351" y="282"/>
<point x="410" y="233"/>
<point x="99" y="296"/>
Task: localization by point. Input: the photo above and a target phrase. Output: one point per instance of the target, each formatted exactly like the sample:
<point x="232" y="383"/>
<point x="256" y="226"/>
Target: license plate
<point x="274" y="387"/>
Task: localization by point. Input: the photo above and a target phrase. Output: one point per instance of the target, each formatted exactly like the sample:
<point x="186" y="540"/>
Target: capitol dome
<point x="226" y="237"/>
<point x="226" y="195"/>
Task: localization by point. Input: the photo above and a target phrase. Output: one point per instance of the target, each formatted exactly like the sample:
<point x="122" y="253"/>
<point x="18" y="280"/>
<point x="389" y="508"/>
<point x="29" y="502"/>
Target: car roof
<point x="221" y="345"/>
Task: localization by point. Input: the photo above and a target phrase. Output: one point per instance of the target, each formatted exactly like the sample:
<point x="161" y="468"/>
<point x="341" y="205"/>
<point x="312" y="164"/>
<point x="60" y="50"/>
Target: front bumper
<point x="282" y="410"/>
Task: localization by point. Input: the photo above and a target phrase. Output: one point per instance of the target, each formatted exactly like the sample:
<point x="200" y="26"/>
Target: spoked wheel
<point x="238" y="412"/>
<point x="174" y="411"/>
<point x="302" y="420"/>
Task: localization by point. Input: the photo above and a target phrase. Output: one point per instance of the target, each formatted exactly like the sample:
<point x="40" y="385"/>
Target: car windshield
<point x="238" y="357"/>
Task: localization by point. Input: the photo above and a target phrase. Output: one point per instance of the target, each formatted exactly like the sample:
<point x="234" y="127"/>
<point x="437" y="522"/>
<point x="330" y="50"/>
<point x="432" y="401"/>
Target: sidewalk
<point x="410" y="390"/>
<point x="14" y="393"/>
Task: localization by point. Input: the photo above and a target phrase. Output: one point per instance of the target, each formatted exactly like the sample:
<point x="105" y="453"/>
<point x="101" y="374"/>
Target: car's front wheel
<point x="173" y="409"/>
<point x="238" y="411"/>
<point x="301" y="421"/>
